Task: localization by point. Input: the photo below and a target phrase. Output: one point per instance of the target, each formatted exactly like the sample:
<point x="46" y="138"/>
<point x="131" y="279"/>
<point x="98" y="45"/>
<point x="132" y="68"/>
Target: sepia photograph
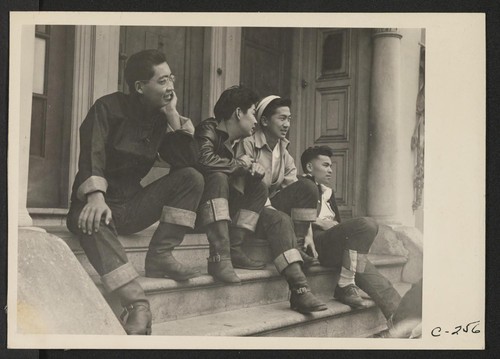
<point x="220" y="181"/>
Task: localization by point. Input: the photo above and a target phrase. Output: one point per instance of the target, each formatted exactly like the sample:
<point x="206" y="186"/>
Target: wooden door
<point x="265" y="64"/>
<point x="183" y="48"/>
<point x="329" y="95"/>
<point x="51" y="117"/>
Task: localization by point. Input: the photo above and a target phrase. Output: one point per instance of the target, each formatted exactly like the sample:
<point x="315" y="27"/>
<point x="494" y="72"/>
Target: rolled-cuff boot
<point x="238" y="257"/>
<point x="160" y="261"/>
<point x="219" y="261"/>
<point x="136" y="317"/>
<point x="301" y="229"/>
<point x="301" y="298"/>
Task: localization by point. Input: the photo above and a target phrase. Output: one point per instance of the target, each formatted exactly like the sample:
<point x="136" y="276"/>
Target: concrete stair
<point x="257" y="307"/>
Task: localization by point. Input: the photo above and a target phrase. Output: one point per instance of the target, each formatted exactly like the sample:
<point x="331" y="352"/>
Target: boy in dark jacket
<point x="120" y="139"/>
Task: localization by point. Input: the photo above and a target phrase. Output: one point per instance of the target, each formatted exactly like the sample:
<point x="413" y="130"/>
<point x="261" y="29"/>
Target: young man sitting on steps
<point x="234" y="191"/>
<point x="120" y="140"/>
<point x="346" y="243"/>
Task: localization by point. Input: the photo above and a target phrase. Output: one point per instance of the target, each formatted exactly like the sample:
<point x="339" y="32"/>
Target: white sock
<point x="346" y="277"/>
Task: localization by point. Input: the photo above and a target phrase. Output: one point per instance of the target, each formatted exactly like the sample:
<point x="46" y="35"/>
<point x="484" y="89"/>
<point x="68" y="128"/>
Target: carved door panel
<point x="265" y="64"/>
<point x="183" y="48"/>
<point x="329" y="101"/>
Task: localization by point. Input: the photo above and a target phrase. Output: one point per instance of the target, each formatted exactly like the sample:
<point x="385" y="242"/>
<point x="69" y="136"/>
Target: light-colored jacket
<point x="258" y="150"/>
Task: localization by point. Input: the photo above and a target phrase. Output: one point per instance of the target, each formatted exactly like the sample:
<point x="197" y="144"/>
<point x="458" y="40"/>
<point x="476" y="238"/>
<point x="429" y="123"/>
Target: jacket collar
<point x="221" y="127"/>
<point x="261" y="141"/>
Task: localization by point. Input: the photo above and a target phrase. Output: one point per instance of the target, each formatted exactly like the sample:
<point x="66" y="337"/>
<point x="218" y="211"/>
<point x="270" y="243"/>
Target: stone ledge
<point x="55" y="294"/>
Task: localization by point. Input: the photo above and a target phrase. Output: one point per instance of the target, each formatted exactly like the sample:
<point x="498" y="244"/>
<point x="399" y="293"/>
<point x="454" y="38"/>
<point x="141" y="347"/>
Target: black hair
<point x="140" y="66"/>
<point x="274" y="104"/>
<point x="314" y="152"/>
<point x="231" y="99"/>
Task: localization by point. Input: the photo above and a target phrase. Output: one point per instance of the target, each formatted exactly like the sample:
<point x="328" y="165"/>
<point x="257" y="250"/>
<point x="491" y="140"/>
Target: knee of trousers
<point x="260" y="191"/>
<point x="192" y="179"/>
<point x="308" y="189"/>
<point x="216" y="186"/>
<point x="286" y="258"/>
<point x="369" y="225"/>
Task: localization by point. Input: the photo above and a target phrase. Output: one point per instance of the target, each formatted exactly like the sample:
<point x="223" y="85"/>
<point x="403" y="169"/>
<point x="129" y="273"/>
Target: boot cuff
<point x="286" y="258"/>
<point x="181" y="217"/>
<point x="246" y="219"/>
<point x="214" y="210"/>
<point x="119" y="277"/>
<point x="304" y="214"/>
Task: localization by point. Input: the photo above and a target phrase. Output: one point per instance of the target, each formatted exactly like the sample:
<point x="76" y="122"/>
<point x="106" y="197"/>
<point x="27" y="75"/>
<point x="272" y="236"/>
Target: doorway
<point x="51" y="117"/>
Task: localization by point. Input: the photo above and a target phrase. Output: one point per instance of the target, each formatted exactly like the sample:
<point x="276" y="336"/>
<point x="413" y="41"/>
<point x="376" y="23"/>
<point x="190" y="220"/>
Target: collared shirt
<point x="326" y="211"/>
<point x="257" y="148"/>
<point x="119" y="144"/>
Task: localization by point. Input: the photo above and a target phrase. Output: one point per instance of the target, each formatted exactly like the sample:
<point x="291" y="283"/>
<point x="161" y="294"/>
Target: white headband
<point x="263" y="104"/>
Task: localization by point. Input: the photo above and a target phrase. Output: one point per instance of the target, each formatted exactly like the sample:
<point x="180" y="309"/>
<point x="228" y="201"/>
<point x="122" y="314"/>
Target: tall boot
<point x="136" y="315"/>
<point x="219" y="260"/>
<point x="238" y="257"/>
<point x="301" y="299"/>
<point x="301" y="228"/>
<point x="160" y="262"/>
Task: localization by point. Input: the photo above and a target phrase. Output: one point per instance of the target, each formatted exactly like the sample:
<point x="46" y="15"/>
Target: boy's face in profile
<point x="321" y="169"/>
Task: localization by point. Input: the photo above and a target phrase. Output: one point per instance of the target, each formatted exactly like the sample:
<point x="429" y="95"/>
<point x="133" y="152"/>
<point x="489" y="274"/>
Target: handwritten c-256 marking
<point x="469" y="328"/>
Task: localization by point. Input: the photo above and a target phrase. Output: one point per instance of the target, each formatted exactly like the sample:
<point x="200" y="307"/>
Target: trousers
<point x="220" y="201"/>
<point x="357" y="234"/>
<point x="173" y="199"/>
<point x="298" y="200"/>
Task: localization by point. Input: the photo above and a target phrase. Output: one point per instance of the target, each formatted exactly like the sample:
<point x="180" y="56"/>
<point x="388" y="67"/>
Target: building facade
<point x="355" y="90"/>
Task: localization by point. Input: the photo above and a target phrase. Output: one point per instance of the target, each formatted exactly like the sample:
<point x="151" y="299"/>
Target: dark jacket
<point x="215" y="151"/>
<point x="119" y="144"/>
<point x="331" y="201"/>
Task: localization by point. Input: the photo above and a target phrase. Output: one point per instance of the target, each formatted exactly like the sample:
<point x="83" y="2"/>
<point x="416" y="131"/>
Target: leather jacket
<point x="216" y="153"/>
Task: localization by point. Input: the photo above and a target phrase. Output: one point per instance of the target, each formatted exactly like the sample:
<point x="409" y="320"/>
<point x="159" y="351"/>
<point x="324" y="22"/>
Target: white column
<point x="223" y="57"/>
<point x="24" y="84"/>
<point x="95" y="74"/>
<point x="382" y="203"/>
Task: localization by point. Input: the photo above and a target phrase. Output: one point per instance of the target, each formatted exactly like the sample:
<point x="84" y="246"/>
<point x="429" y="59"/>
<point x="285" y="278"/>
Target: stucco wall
<point x="410" y="55"/>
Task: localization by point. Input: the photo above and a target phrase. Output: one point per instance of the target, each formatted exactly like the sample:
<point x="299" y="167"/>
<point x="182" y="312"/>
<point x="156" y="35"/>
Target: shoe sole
<point x="250" y="268"/>
<point x="176" y="278"/>
<point x="318" y="309"/>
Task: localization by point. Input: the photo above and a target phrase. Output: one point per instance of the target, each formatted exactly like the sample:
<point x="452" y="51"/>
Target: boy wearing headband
<point x="268" y="146"/>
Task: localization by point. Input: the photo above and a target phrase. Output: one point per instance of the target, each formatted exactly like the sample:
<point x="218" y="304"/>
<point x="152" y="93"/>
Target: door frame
<point x="301" y="62"/>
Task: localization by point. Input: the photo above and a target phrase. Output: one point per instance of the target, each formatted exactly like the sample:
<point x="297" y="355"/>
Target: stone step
<point x="276" y="319"/>
<point x="193" y="251"/>
<point x="171" y="300"/>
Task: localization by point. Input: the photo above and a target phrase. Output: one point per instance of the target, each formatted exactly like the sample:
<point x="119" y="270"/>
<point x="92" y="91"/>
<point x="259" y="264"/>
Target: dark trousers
<point x="357" y="234"/>
<point x="220" y="201"/>
<point x="277" y="228"/>
<point x="299" y="200"/>
<point x="174" y="198"/>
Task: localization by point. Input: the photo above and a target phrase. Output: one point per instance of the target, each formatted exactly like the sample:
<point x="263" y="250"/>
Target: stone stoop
<point x="177" y="304"/>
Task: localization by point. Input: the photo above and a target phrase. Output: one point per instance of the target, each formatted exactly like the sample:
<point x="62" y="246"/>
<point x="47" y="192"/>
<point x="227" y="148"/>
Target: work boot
<point x="349" y="295"/>
<point x="238" y="257"/>
<point x="160" y="262"/>
<point x="301" y="299"/>
<point x="136" y="317"/>
<point x="301" y="229"/>
<point x="219" y="261"/>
